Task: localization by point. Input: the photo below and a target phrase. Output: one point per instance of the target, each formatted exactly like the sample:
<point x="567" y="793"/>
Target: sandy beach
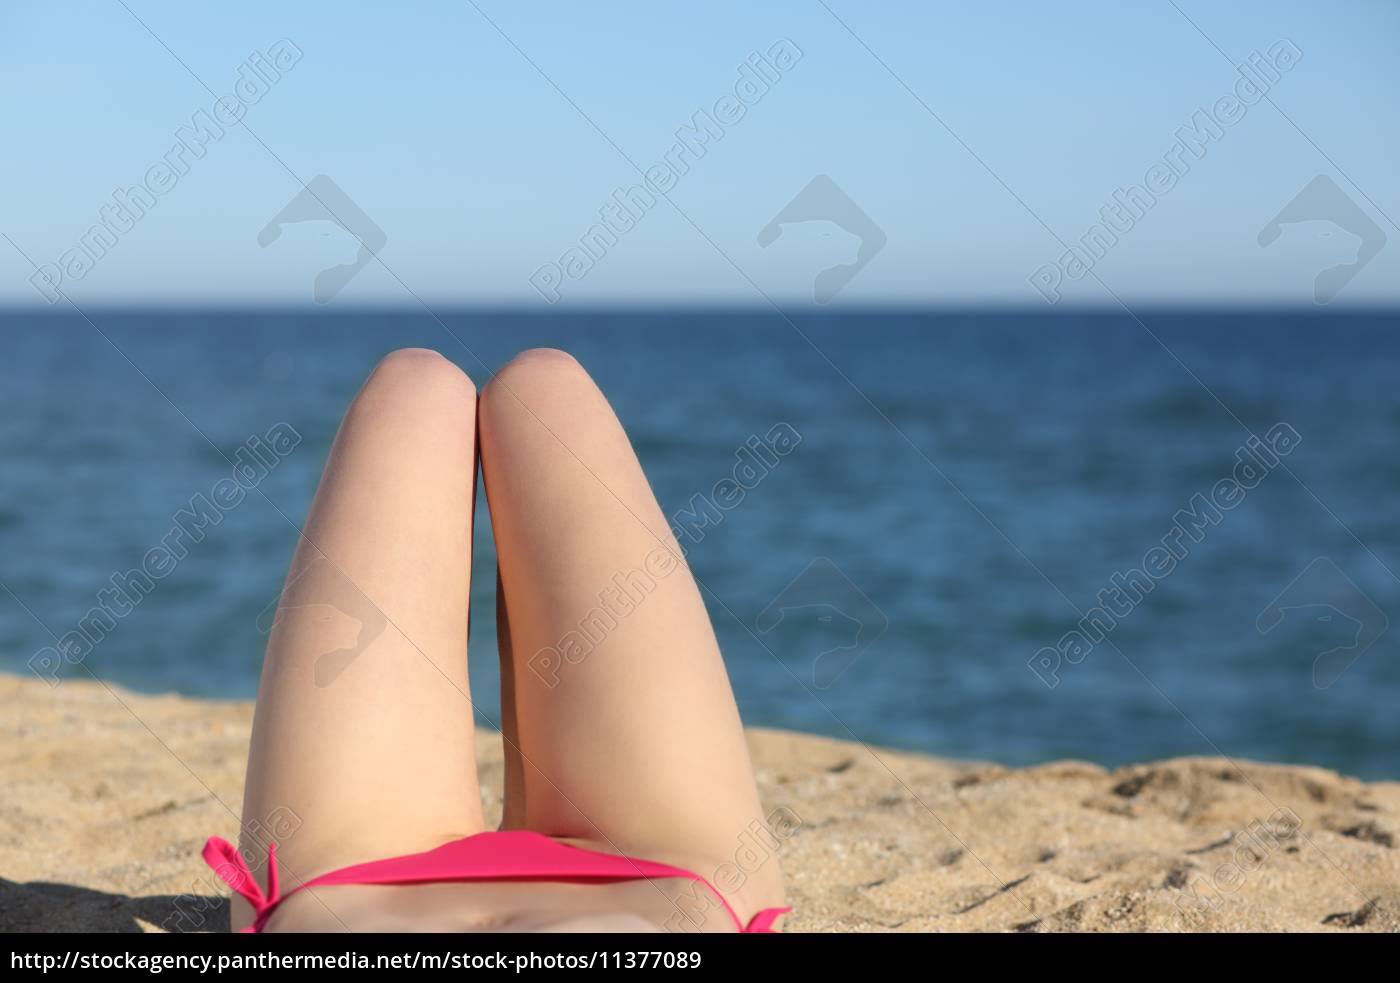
<point x="108" y="796"/>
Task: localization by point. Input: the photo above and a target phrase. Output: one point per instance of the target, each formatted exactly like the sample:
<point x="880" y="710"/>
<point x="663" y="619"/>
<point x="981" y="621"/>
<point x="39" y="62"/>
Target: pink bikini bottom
<point x="507" y="855"/>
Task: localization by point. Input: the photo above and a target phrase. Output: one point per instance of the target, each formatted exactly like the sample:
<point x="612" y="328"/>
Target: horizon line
<point x="701" y="307"/>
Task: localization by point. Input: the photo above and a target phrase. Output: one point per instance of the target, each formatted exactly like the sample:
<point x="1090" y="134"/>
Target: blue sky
<point x="437" y="120"/>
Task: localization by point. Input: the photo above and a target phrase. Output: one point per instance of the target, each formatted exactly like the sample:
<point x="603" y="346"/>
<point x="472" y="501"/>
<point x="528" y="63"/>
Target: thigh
<point x="625" y="722"/>
<point x="362" y="742"/>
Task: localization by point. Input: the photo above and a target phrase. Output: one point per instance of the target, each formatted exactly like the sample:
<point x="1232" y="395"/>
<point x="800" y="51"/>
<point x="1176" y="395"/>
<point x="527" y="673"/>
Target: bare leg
<point x="362" y="741"/>
<point x="627" y="728"/>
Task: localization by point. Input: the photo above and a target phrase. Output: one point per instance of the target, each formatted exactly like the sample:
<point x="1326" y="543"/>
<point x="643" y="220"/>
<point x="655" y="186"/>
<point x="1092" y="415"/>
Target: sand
<point x="106" y="797"/>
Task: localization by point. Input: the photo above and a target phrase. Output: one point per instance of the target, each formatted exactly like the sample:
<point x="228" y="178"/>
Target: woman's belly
<point x="664" y="905"/>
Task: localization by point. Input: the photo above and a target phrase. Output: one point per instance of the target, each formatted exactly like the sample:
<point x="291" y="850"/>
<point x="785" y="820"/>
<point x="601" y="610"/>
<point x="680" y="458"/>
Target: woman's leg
<point x="627" y="731"/>
<point x="362" y="740"/>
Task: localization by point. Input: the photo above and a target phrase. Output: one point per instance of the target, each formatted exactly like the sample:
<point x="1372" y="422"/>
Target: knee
<point x="416" y="372"/>
<point x="543" y="360"/>
<point x="537" y="369"/>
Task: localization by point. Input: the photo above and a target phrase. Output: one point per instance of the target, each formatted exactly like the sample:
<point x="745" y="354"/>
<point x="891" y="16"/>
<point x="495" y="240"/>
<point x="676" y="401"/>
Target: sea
<point x="1006" y="535"/>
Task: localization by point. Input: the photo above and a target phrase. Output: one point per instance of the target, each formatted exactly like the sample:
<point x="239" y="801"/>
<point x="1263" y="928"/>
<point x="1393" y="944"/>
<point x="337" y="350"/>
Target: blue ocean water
<point x="965" y="486"/>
